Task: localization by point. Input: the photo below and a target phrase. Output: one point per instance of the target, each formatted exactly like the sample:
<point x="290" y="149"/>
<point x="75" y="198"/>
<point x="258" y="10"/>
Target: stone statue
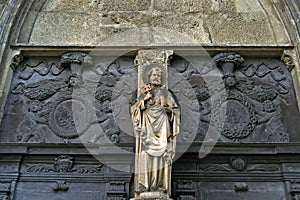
<point x="156" y="120"/>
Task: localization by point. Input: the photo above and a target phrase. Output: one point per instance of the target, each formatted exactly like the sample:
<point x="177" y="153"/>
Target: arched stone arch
<point x="256" y="29"/>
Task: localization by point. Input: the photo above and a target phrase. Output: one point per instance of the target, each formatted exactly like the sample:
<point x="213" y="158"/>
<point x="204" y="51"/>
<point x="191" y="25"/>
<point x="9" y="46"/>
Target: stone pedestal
<point x="152" y="196"/>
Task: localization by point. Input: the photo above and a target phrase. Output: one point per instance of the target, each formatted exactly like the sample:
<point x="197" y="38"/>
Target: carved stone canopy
<point x="147" y="59"/>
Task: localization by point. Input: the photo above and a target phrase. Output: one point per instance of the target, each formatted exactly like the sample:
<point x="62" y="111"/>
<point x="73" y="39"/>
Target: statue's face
<point x="72" y="81"/>
<point x="155" y="77"/>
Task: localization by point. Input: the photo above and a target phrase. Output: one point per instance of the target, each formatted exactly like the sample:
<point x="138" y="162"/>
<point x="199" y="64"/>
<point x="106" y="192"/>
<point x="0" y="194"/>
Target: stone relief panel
<point x="60" y="189"/>
<point x="258" y="95"/>
<point x="241" y="190"/>
<point x="58" y="101"/>
<point x="228" y="177"/>
<point x="77" y="98"/>
<point x="63" y="164"/>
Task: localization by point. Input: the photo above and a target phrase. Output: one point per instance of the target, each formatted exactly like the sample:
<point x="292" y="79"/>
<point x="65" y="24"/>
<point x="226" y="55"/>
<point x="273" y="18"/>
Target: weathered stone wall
<point x="9" y="11"/>
<point x="226" y="23"/>
<point x="290" y="10"/>
<point x="44" y="100"/>
<point x="50" y="28"/>
<point x="158" y="22"/>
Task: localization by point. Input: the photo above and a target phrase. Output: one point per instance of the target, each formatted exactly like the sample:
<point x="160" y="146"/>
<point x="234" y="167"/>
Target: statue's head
<point x="75" y="80"/>
<point x="154" y="76"/>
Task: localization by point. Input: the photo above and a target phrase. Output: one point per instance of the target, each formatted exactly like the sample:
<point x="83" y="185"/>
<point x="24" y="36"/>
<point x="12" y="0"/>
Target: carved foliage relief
<point x="62" y="164"/>
<point x="54" y="100"/>
<point x="256" y="94"/>
<point x="252" y="101"/>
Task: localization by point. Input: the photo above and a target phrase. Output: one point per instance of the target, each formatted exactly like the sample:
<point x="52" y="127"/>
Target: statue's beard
<point x="155" y="82"/>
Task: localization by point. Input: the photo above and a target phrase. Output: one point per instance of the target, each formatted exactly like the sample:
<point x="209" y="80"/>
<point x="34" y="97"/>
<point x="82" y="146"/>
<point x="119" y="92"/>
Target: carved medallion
<point x="234" y="117"/>
<point x="69" y="117"/>
<point x="63" y="163"/>
<point x="239" y="163"/>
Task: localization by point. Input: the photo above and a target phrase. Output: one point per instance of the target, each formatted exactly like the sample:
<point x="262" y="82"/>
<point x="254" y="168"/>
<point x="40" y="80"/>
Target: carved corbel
<point x="60" y="186"/>
<point x="77" y="61"/>
<point x="228" y="62"/>
<point x="16" y="60"/>
<point x="240" y="187"/>
<point x="288" y="57"/>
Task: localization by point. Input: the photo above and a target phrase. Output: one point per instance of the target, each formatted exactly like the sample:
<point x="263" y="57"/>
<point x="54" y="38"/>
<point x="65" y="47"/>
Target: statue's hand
<point x="148" y="96"/>
<point x="167" y="158"/>
<point x="142" y="134"/>
<point x="170" y="138"/>
<point x="167" y="109"/>
<point x="137" y="128"/>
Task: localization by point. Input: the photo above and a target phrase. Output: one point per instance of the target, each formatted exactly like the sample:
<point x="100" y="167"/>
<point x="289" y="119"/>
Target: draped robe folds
<point x="156" y="130"/>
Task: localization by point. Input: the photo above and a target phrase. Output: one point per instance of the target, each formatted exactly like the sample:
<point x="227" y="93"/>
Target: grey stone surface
<point x="240" y="28"/>
<point x="43" y="173"/>
<point x="251" y="167"/>
<point x="206" y="22"/>
<point x="248" y="109"/>
<point x="111" y="23"/>
<point x="99" y="5"/>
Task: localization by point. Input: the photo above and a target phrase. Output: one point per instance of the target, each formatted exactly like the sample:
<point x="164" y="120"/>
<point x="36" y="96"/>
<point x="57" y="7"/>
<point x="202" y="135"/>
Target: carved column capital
<point x="149" y="58"/>
<point x="153" y="56"/>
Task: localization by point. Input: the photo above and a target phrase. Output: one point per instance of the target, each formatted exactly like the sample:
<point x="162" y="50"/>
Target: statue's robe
<point x="156" y="129"/>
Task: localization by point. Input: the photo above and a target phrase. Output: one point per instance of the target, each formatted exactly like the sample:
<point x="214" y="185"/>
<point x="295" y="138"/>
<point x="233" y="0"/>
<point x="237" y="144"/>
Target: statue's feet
<point x="163" y="190"/>
<point x="154" y="195"/>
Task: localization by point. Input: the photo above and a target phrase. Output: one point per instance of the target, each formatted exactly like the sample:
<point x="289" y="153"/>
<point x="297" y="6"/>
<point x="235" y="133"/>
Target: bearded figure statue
<point x="156" y="120"/>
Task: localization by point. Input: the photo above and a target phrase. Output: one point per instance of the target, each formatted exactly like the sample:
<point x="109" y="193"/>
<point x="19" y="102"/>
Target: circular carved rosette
<point x="234" y="117"/>
<point x="69" y="117"/>
<point x="239" y="163"/>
